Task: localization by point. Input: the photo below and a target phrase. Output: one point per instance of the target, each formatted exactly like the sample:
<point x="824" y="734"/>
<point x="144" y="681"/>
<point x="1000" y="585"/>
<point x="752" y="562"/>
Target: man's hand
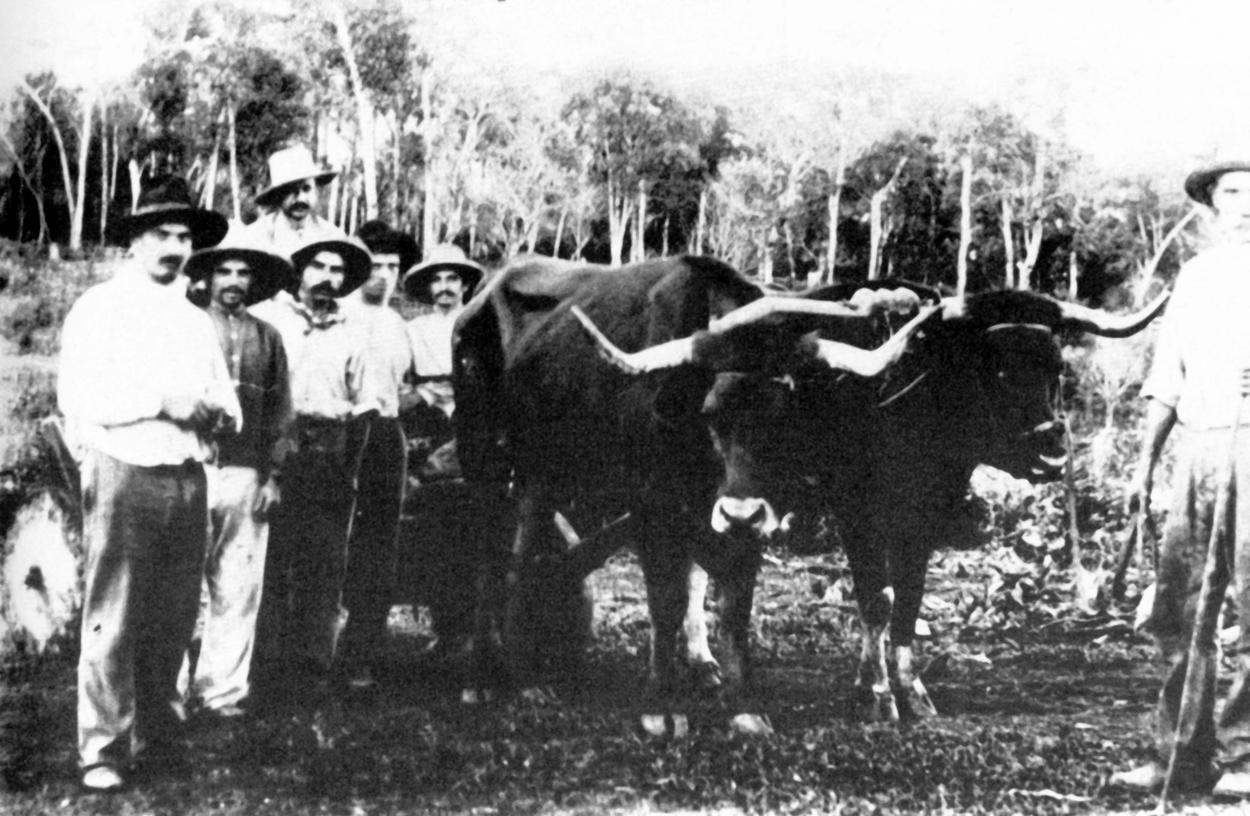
<point x="195" y="411"/>
<point x="267" y="499"/>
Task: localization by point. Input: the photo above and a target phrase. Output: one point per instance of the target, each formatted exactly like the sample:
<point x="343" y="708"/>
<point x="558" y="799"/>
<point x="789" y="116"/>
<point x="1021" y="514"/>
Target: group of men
<point x="243" y="462"/>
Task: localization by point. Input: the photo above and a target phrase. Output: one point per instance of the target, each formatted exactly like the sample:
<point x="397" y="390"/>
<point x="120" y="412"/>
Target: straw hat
<point x="289" y="166"/>
<point x="271" y="273"/>
<point x="1199" y="184"/>
<point x="442" y="256"/>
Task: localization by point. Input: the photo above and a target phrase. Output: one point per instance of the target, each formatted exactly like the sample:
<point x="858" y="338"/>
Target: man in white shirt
<point x="373" y="559"/>
<point x="444" y="281"/>
<point x="1199" y="380"/>
<point x="144" y="389"/>
<point x="289" y="217"/>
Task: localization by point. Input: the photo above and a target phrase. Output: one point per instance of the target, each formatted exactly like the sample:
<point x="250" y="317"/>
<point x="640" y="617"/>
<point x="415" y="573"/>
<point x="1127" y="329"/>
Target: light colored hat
<point x="355" y="256"/>
<point x="288" y="166"/>
<point x="271" y="272"/>
<point x="441" y="256"/>
<point x="1199" y="184"/>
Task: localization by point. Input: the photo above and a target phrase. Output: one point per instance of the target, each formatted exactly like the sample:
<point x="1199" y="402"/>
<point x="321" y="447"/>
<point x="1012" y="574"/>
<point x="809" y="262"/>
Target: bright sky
<point x="1144" y="83"/>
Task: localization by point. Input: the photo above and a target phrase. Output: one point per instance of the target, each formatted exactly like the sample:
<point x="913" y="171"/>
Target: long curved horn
<point x="757" y="310"/>
<point x="871" y="362"/>
<point x="655" y="358"/>
<point x="1097" y="321"/>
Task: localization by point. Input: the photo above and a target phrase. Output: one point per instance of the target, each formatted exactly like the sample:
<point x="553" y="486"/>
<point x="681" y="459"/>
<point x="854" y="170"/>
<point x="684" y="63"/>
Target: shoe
<point x="1233" y="785"/>
<point x="1149" y="778"/>
<point x="102" y="779"/>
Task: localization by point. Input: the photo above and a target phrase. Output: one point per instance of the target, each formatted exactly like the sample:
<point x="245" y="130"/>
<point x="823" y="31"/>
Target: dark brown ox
<point x="536" y="405"/>
<point x="891" y="459"/>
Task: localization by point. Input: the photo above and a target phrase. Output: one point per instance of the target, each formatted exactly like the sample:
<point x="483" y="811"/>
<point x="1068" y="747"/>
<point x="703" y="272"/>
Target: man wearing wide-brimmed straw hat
<point x="444" y="281"/>
<point x="335" y="392"/>
<point x="243" y="483"/>
<point x="289" y="218"/>
<point x="1199" y="379"/>
<point x="146" y="392"/>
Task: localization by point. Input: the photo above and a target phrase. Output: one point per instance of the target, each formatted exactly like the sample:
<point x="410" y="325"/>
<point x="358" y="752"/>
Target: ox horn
<point x="1097" y="321"/>
<point x="871" y="362"/>
<point x="842" y="356"/>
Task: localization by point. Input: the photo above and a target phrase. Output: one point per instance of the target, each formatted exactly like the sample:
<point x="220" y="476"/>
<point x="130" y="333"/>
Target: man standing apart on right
<point x="1199" y="379"/>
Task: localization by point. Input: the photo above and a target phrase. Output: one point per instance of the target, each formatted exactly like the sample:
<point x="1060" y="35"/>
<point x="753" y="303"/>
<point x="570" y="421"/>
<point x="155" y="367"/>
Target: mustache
<point x="172" y="260"/>
<point x="324" y="288"/>
<point x="236" y="290"/>
<point x="300" y="207"/>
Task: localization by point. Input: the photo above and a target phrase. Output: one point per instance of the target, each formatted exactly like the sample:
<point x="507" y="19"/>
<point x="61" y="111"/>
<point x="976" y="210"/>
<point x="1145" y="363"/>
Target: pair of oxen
<point x="698" y="410"/>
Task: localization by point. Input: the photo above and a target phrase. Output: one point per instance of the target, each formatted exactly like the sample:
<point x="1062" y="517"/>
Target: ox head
<point x="757" y="354"/>
<point x="995" y="367"/>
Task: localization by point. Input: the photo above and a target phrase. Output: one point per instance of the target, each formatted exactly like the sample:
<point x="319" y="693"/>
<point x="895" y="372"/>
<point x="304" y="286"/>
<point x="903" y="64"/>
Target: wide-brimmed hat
<point x="355" y="256"/>
<point x="166" y="200"/>
<point x="1199" y="184"/>
<point x="380" y="239"/>
<point x="288" y="166"/>
<point x="441" y="256"/>
<point x="270" y="273"/>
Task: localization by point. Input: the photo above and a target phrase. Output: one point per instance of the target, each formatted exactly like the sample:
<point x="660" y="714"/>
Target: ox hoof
<point x="674" y="726"/>
<point x="706" y="677"/>
<point x="916" y="704"/>
<point x="876" y="707"/>
<point x="752" y="725"/>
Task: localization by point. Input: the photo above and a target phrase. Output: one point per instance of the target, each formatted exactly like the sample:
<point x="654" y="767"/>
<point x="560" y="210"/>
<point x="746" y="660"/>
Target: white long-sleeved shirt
<point x="1204" y="340"/>
<point x="126" y="346"/>
<point x="431" y="347"/>
<point x="387" y="350"/>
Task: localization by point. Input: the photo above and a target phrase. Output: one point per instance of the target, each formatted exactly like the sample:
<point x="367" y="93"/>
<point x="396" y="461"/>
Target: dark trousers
<point x="145" y="530"/>
<point x="369" y="589"/>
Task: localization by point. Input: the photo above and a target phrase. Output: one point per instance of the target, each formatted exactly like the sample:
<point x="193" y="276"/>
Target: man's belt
<point x="318" y="435"/>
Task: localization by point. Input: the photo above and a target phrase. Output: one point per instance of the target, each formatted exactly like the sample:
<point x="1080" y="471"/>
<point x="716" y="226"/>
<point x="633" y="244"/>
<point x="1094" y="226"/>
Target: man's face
<point x="162" y="250"/>
<point x="382" y="279"/>
<point x="1230" y="198"/>
<point x="321" y="279"/>
<point x="298" y="200"/>
<point x="447" y="290"/>
<point x="232" y="280"/>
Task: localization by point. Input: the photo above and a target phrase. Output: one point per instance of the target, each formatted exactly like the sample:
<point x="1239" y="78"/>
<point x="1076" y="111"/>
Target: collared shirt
<point x="326" y="355"/>
<point x="126" y="346"/>
<point x="257" y="363"/>
<point x="431" y="347"/>
<point x="1204" y="340"/>
<point x="387" y="348"/>
<point x="276" y="232"/>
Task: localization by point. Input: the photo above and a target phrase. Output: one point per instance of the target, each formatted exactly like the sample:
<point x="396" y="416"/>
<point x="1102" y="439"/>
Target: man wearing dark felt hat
<point x="244" y="481"/>
<point x="1199" y="380"/>
<point x="146" y="393"/>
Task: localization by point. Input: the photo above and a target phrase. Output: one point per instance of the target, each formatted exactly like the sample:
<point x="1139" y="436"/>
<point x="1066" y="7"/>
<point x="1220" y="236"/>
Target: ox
<point x="536" y="406"/>
<point x="892" y="459"/>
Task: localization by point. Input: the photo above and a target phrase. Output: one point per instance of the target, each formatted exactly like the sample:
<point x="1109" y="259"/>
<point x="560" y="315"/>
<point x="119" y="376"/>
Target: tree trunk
<point x="84" y="152"/>
<point x="104" y="171"/>
<point x="1146" y="274"/>
<point x="1009" y="245"/>
<point x="117" y="149"/>
<point x="1074" y="275"/>
<point x="233" y="144"/>
<point x="876" y="226"/>
<point x="664" y="238"/>
<point x="616" y="221"/>
<point x="428" y="238"/>
<point x="637" y="250"/>
<point x="965" y="224"/>
<point x="136" y="180"/>
<point x="555" y="244"/>
<point x="60" y="147"/>
<point x="397" y="170"/>
<point x="35" y="192"/>
<point x="701" y="223"/>
<point x="210" y="180"/>
<point x="364" y="112"/>
<point x="835" y="215"/>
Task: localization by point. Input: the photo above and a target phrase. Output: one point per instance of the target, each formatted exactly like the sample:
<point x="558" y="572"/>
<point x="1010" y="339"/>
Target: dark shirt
<point x="258" y="366"/>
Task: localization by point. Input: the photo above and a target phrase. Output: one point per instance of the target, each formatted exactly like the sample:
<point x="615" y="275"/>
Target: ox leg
<point x="876" y="700"/>
<point x="665" y="567"/>
<point x="534" y="512"/>
<point x="737" y="589"/>
<point x="909" y="580"/>
<point x="703" y="666"/>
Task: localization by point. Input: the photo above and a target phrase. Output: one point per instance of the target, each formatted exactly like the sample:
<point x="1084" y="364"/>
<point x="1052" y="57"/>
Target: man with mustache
<point x="373" y="550"/>
<point x="444" y="282"/>
<point x="145" y="392"/>
<point x="289" y="218"/>
<point x="336" y="391"/>
<point x="1199" y="381"/>
<point x="243" y="484"/>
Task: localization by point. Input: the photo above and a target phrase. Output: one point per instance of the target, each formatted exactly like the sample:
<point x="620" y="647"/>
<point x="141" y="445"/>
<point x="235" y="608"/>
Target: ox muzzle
<point x="752" y="515"/>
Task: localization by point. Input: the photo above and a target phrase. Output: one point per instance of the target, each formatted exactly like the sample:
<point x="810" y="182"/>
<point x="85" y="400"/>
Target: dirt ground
<point x="1033" y="720"/>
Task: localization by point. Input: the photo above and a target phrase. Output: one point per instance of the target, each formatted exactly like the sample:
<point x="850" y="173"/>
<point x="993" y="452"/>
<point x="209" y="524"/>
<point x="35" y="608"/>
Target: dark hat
<point x="288" y="166"/>
<point x="1199" y="184"/>
<point x="442" y="256"/>
<point x="378" y="236"/>
<point x="271" y="273"/>
<point x="166" y="200"/>
<point x="355" y="256"/>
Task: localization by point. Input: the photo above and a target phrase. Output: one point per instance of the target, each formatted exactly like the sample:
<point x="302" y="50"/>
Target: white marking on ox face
<point x="752" y="514"/>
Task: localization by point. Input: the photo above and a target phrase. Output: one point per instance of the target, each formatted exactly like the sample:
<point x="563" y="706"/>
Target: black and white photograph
<point x="579" y="407"/>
